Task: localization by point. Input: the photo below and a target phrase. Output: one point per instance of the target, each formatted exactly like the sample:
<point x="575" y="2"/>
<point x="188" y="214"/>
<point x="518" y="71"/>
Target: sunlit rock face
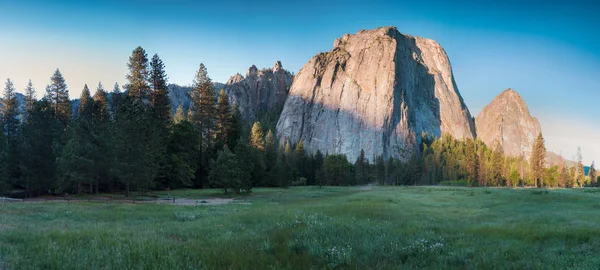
<point x="377" y="90"/>
<point x="259" y="90"/>
<point x="507" y="120"/>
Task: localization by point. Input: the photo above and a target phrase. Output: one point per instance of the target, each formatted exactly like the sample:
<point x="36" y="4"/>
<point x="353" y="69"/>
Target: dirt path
<point x="367" y="187"/>
<point x="175" y="201"/>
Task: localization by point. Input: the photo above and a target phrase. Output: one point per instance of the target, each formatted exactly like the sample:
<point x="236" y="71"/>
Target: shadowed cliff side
<point x="377" y="90"/>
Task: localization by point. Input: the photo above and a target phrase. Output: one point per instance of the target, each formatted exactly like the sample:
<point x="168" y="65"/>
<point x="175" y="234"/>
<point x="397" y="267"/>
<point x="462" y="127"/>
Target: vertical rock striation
<point x="259" y="90"/>
<point x="507" y="120"/>
<point x="377" y="90"/>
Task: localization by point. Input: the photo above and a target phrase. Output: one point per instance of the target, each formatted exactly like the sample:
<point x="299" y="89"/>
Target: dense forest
<point x="131" y="140"/>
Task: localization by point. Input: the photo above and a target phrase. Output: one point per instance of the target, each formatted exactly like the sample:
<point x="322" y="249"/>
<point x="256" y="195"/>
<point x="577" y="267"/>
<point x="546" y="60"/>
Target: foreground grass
<point x="301" y="228"/>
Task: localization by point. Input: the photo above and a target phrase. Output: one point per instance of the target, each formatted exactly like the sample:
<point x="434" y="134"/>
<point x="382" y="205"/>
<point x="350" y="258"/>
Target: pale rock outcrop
<point x="259" y="90"/>
<point x="377" y="90"/>
<point x="507" y="120"/>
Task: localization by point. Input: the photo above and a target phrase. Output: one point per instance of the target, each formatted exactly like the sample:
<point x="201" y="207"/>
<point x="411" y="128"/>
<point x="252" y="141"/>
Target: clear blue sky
<point x="548" y="51"/>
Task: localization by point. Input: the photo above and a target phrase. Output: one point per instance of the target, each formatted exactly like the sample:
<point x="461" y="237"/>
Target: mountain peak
<point x="508" y="120"/>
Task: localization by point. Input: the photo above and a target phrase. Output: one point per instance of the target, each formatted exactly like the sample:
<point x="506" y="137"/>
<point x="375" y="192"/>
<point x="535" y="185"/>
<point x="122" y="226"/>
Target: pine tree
<point x="183" y="152"/>
<point x="203" y="116"/>
<point x="270" y="160"/>
<point x="226" y="173"/>
<point x="4" y="182"/>
<point x="592" y="175"/>
<point x="134" y="145"/>
<point x="100" y="109"/>
<point x="57" y="94"/>
<point x="236" y="124"/>
<point x="179" y="115"/>
<point x="30" y="98"/>
<point x="380" y="170"/>
<point x="257" y="137"/>
<point x="10" y="122"/>
<point x="85" y="101"/>
<point x="360" y="176"/>
<point x="224" y="123"/>
<point x="246" y="163"/>
<point x="10" y="126"/>
<point x="115" y="98"/>
<point x="139" y="75"/>
<point x="538" y="160"/>
<point x="39" y="134"/>
<point x="160" y="92"/>
<point x="497" y="163"/>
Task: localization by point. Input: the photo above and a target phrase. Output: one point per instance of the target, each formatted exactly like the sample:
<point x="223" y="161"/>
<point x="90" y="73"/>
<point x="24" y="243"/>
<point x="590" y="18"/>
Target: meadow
<point x="312" y="228"/>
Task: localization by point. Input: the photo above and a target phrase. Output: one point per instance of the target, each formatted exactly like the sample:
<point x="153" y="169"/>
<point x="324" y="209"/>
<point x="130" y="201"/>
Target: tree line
<point x="131" y="141"/>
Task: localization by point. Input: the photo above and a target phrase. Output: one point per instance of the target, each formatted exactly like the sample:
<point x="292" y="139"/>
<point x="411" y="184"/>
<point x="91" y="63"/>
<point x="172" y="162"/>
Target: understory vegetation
<point x="312" y="227"/>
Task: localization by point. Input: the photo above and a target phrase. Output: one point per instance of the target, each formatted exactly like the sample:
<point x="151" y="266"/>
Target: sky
<point x="546" y="50"/>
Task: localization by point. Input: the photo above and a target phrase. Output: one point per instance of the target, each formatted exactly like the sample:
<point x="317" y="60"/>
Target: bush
<point x="457" y="183"/>
<point x="300" y="182"/>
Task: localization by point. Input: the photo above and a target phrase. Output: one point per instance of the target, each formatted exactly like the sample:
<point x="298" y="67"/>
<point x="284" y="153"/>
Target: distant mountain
<point x="507" y="120"/>
<point x="20" y="102"/>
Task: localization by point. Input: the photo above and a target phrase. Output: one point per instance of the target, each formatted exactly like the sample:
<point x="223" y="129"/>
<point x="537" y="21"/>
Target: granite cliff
<point x="507" y="120"/>
<point x="377" y="90"/>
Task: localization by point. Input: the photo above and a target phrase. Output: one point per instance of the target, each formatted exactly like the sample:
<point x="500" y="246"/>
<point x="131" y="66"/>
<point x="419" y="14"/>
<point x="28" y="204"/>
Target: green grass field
<point x="302" y="228"/>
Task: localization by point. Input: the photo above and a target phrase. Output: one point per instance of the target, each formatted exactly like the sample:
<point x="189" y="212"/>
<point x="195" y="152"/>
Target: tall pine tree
<point x="10" y="124"/>
<point x="57" y="95"/>
<point x="223" y="123"/>
<point x="160" y="91"/>
<point x="138" y="76"/>
<point x="203" y="116"/>
<point x="538" y="160"/>
<point x="30" y="98"/>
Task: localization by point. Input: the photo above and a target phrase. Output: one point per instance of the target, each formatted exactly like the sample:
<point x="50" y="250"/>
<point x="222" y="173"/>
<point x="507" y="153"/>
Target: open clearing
<point x="309" y="227"/>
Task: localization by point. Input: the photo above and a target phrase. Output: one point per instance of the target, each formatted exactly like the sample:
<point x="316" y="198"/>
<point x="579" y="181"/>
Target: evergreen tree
<point x="360" y="171"/>
<point x="162" y="115"/>
<point x="497" y="163"/>
<point x="226" y="173"/>
<point x="203" y="114"/>
<point x="236" y="124"/>
<point x="115" y="98"/>
<point x="538" y="160"/>
<point x="30" y="98"/>
<point x="246" y="163"/>
<point x="38" y="156"/>
<point x="337" y="170"/>
<point x="179" y="115"/>
<point x="183" y="163"/>
<point x="224" y="121"/>
<point x="592" y="175"/>
<point x="100" y="139"/>
<point x="135" y="143"/>
<point x="380" y="170"/>
<point x="318" y="168"/>
<point x="100" y="108"/>
<point x="257" y="140"/>
<point x="10" y="126"/>
<point x="4" y="182"/>
<point x="57" y="95"/>
<point x="138" y="76"/>
<point x="257" y="144"/>
<point x="85" y="101"/>
<point x="270" y="160"/>
<point x="160" y="92"/>
<point x="10" y="112"/>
